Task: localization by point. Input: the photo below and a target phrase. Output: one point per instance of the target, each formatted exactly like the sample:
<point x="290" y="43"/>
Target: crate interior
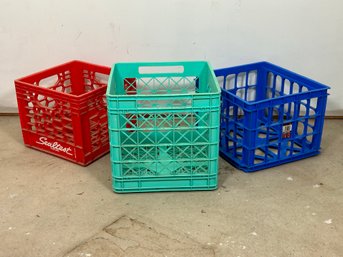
<point x="74" y="78"/>
<point x="147" y="79"/>
<point x="254" y="85"/>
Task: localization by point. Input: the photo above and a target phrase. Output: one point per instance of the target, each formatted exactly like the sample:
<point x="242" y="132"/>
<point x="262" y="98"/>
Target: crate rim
<point x="166" y="63"/>
<point x="278" y="67"/>
<point x="163" y="63"/>
<point x="76" y="97"/>
<point x="323" y="86"/>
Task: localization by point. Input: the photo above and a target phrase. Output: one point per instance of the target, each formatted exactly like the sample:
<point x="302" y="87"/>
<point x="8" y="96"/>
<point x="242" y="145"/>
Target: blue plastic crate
<point x="164" y="121"/>
<point x="269" y="115"/>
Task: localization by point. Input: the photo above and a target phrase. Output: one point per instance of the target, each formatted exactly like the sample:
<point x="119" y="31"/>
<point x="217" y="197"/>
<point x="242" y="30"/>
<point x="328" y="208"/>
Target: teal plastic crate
<point x="164" y="126"/>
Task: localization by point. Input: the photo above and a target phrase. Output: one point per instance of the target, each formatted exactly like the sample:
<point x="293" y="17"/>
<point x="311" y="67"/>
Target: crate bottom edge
<point x="149" y="190"/>
<point x="69" y="159"/>
<point x="268" y="165"/>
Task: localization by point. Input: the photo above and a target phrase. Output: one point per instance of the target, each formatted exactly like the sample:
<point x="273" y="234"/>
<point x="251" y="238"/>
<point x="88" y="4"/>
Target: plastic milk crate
<point x="269" y="115"/>
<point x="63" y="111"/>
<point x="164" y="126"/>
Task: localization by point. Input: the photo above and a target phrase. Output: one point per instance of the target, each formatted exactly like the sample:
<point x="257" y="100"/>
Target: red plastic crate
<point x="63" y="111"/>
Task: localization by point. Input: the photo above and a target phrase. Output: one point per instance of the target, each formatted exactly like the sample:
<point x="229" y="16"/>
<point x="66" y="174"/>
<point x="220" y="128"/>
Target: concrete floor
<point x="51" y="207"/>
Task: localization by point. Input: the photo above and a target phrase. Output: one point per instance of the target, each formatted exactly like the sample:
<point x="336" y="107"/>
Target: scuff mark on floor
<point x="128" y="236"/>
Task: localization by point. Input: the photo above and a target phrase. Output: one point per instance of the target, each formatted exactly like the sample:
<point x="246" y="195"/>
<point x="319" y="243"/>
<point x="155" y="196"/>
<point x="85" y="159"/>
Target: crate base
<point x="266" y="165"/>
<point x="69" y="159"/>
<point x="154" y="184"/>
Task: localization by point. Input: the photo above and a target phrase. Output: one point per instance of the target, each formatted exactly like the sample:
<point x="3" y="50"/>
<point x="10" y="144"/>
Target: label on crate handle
<point x="54" y="146"/>
<point x="286" y="130"/>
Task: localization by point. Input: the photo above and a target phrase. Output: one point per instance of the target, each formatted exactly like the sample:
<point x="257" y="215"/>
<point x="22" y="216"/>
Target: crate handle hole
<point x="161" y="69"/>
